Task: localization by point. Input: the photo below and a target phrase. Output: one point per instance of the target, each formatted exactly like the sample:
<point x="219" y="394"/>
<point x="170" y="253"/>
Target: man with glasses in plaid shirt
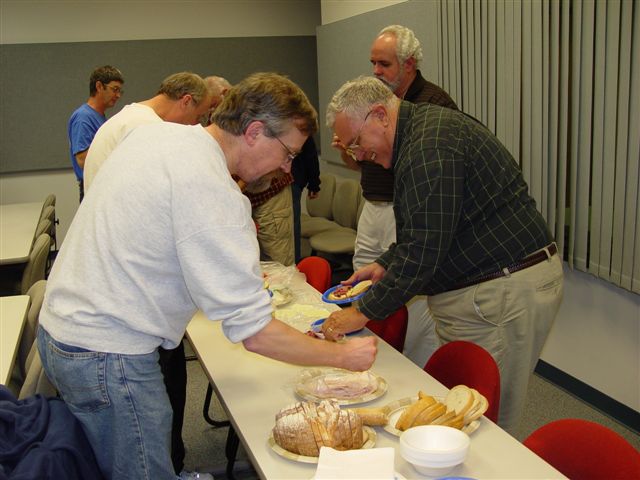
<point x="395" y="58"/>
<point x="468" y="233"/>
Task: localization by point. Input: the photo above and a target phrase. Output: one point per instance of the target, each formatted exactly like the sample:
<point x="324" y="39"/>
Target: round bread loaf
<point x="304" y="427"/>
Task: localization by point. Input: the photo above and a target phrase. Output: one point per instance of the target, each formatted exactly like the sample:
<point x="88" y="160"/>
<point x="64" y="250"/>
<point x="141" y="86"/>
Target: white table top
<point x="252" y="389"/>
<point x="13" y="313"/>
<point x="18" y="223"/>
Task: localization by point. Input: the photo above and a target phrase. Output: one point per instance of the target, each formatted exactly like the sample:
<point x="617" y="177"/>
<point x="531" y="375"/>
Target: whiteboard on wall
<point x="42" y="84"/>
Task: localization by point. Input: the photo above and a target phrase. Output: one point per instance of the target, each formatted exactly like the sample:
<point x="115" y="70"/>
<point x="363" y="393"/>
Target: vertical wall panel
<point x="631" y="257"/>
<point x="527" y="82"/>
<point x="553" y="105"/>
<point x="536" y="127"/>
<point x="598" y="152"/>
<point x="622" y="137"/>
<point x="563" y="130"/>
<point x="584" y="134"/>
<point x="478" y="56"/>
<point x="610" y="112"/>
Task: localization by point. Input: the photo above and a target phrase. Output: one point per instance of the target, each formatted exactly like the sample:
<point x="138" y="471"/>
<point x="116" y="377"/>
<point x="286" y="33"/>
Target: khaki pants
<point x="421" y="340"/>
<point x="275" y="228"/>
<point x="510" y="317"/>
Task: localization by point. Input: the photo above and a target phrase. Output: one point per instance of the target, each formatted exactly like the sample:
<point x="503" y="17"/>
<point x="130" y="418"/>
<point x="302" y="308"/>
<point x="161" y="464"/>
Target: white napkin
<point x="367" y="464"/>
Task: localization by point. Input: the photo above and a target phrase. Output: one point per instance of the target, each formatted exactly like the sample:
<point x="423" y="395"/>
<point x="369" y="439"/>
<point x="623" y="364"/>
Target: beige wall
<point x="334" y="10"/>
<point x="44" y="21"/>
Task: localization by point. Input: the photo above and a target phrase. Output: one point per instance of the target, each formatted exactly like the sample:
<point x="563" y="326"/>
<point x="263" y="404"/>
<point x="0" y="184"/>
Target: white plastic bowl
<point x="434" y="449"/>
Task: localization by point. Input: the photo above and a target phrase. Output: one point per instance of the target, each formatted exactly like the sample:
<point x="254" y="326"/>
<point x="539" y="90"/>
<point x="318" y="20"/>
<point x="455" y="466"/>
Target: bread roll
<point x="304" y="427"/>
<point x="373" y="416"/>
<point x="360" y="287"/>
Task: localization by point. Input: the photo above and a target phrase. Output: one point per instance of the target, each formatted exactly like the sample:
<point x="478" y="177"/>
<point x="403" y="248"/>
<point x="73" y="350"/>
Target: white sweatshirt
<point x="111" y="133"/>
<point x="163" y="232"/>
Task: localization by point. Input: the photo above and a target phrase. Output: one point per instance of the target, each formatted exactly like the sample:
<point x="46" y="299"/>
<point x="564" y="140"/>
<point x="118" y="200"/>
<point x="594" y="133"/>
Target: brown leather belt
<point x="526" y="262"/>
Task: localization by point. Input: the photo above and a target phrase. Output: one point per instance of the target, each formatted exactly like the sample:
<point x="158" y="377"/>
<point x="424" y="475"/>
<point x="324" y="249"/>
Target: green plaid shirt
<point x="461" y="206"/>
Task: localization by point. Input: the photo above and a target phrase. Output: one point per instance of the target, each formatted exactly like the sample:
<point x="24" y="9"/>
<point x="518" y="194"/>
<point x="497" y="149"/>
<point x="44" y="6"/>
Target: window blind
<point x="559" y="83"/>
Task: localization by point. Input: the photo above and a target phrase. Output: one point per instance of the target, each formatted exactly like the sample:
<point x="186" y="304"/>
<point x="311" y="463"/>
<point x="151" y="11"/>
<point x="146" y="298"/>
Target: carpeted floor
<point x="205" y="445"/>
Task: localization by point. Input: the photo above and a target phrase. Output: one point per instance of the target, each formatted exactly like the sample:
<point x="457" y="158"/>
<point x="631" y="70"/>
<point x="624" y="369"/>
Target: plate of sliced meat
<point x="346" y="293"/>
<point x="344" y="386"/>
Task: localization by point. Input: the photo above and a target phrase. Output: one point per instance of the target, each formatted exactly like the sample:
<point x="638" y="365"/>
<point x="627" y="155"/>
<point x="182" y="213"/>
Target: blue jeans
<point x="121" y="402"/>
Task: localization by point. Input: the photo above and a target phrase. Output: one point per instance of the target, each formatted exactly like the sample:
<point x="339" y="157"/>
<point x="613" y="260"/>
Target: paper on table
<point x="369" y="464"/>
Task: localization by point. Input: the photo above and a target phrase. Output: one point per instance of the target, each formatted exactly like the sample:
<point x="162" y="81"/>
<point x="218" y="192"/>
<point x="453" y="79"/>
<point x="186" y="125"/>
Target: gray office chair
<point x="36" y="380"/>
<point x="36" y="293"/>
<point x="49" y="212"/>
<point x="319" y="217"/>
<point x="17" y="279"/>
<point x="44" y="226"/>
<point x="28" y="336"/>
<point x="346" y="208"/>
<point x="49" y="201"/>
<point x="35" y="269"/>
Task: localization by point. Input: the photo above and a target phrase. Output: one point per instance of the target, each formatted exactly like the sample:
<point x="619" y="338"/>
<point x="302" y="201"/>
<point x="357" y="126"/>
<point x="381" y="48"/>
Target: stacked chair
<point x="329" y="228"/>
<point x="465" y="363"/>
<point x="18" y="279"/>
<point x="28" y="377"/>
<point x="49" y="213"/>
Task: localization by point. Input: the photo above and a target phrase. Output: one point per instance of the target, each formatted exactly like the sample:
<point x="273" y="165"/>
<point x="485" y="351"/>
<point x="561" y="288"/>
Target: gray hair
<point x="407" y="45"/>
<point x="356" y="97"/>
<point x="269" y="98"/>
<point x="218" y="86"/>
<point x="180" y="84"/>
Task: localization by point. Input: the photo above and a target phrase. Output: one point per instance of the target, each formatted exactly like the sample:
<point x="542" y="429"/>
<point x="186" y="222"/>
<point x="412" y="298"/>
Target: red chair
<point x="318" y="272"/>
<point x="585" y="450"/>
<point x="392" y="329"/>
<point x="465" y="363"/>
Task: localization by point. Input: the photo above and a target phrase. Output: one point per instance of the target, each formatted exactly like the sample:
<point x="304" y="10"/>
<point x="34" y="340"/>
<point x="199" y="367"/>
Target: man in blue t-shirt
<point x="105" y="89"/>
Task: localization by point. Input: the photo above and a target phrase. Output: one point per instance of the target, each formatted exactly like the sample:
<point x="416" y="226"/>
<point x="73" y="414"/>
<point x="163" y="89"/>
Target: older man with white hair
<point x="395" y="55"/>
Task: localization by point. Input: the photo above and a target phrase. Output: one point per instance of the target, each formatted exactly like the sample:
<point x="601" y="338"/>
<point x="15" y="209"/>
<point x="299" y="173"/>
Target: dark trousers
<point x="174" y="370"/>
<point x="296" y="194"/>
<point x="81" y="188"/>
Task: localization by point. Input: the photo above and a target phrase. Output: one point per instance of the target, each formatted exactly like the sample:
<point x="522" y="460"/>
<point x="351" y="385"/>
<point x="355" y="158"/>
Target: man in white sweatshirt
<point x="184" y="98"/>
<point x="148" y="249"/>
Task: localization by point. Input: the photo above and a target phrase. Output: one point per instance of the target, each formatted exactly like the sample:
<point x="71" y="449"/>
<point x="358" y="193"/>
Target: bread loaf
<point x="304" y="427"/>
<point x="461" y="406"/>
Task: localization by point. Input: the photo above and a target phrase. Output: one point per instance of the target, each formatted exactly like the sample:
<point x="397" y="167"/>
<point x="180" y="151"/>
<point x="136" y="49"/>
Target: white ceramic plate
<point x="378" y="392"/>
<point x="369" y="443"/>
<point x="396" y="408"/>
